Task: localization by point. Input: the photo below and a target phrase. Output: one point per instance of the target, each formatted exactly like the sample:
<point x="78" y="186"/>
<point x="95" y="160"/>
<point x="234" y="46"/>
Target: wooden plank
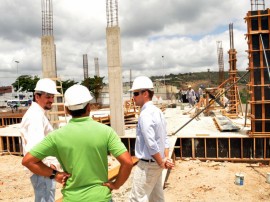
<point x="264" y="147"/>
<point x="225" y="124"/>
<point x="13" y="144"/>
<point x="242" y="149"/>
<point x="205" y="149"/>
<point x="202" y="135"/>
<point x="254" y="147"/>
<point x="1" y="144"/>
<point x="8" y="144"/>
<point x="229" y="145"/>
<point x="192" y="148"/>
<point x="114" y="171"/>
<point x="217" y="147"/>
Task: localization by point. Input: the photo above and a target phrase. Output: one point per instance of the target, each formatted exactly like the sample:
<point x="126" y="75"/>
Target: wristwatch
<point x="53" y="174"/>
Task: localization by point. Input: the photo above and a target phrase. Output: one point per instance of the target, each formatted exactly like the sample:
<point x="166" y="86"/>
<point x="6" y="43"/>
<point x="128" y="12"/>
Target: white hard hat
<point x="46" y="85"/>
<point x="77" y="97"/>
<point x="189" y="86"/>
<point x="142" y="82"/>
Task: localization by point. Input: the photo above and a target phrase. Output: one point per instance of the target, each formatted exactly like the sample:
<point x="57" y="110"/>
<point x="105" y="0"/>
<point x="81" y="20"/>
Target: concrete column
<point x="48" y="57"/>
<point x="49" y="69"/>
<point x="115" y="79"/>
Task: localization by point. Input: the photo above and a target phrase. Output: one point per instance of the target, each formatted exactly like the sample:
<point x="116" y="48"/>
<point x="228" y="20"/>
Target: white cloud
<point x="184" y="32"/>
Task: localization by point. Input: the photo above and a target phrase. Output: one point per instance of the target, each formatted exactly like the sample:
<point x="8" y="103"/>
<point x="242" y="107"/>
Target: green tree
<point x="244" y="96"/>
<point x="94" y="85"/>
<point x="67" y="83"/>
<point x="25" y="83"/>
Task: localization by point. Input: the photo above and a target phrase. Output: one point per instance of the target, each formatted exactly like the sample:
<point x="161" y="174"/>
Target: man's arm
<point x="126" y="165"/>
<point x="38" y="167"/>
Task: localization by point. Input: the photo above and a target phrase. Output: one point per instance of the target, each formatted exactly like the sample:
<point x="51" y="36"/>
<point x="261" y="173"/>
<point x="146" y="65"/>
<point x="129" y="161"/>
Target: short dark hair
<point x="151" y="93"/>
<point x="39" y="93"/>
<point x="77" y="113"/>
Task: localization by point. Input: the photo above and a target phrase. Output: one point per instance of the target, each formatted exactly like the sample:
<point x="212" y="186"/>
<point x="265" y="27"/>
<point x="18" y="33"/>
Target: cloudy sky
<point x="185" y="32"/>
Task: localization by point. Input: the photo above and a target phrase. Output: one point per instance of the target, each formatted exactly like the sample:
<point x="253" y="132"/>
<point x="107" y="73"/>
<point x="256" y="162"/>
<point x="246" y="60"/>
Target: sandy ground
<point x="190" y="180"/>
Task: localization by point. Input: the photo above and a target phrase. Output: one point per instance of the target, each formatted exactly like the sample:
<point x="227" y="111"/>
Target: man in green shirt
<point x="82" y="148"/>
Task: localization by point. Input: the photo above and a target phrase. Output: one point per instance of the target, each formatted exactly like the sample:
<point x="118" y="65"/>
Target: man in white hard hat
<point x="82" y="148"/>
<point x="34" y="127"/>
<point x="191" y="97"/>
<point x="152" y="145"/>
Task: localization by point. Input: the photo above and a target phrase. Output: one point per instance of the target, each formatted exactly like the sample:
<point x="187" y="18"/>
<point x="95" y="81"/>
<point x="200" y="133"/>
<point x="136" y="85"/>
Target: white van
<point x="18" y="103"/>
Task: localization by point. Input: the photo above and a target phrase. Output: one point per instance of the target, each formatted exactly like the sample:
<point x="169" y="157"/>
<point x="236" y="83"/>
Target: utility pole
<point x="18" y="78"/>
<point x="163" y="66"/>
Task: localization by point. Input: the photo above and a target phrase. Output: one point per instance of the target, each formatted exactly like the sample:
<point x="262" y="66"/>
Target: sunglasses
<point x="138" y="93"/>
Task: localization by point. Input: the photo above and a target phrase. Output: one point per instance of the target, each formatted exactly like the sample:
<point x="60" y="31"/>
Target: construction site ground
<point x="190" y="180"/>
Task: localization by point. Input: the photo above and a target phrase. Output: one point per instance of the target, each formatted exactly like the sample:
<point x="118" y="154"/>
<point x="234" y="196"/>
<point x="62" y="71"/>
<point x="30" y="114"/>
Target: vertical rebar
<point x="112" y="13"/>
<point x="47" y="17"/>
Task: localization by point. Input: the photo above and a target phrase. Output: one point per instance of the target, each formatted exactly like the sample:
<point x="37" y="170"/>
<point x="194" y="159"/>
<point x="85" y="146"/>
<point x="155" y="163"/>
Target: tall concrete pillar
<point x="48" y="52"/>
<point x="48" y="57"/>
<point x="115" y="79"/>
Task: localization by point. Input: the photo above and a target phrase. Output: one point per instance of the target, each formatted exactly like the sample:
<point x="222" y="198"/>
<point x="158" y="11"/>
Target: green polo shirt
<point x="82" y="147"/>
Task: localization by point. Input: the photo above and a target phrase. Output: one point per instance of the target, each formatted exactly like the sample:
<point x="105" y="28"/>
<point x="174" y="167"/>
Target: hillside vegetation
<point x="207" y="79"/>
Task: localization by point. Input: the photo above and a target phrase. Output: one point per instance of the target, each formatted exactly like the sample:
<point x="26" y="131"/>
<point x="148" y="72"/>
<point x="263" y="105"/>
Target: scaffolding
<point x="234" y="104"/>
<point x="258" y="35"/>
<point x="233" y="93"/>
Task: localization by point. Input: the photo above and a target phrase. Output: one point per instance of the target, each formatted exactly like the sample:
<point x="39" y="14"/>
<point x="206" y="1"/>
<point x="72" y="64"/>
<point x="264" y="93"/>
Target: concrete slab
<point x="10" y="131"/>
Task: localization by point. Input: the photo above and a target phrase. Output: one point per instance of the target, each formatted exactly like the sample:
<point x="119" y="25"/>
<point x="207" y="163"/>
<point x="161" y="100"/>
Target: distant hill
<point x="195" y="79"/>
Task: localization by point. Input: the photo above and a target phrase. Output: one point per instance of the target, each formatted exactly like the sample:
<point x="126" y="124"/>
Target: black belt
<point x="147" y="160"/>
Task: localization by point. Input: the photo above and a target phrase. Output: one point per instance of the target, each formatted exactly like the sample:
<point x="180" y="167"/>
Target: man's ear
<point x="88" y="108"/>
<point x="67" y="110"/>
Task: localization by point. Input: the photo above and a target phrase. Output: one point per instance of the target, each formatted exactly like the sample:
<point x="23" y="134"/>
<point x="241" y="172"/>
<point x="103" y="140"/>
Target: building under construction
<point x="227" y="135"/>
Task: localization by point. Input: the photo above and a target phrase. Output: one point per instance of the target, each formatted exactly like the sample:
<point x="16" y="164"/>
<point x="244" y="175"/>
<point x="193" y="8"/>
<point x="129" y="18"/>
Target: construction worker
<point x="34" y="127"/>
<point x="201" y="93"/>
<point x="191" y="96"/>
<point x="151" y="147"/>
<point x="82" y="148"/>
<point x="180" y="96"/>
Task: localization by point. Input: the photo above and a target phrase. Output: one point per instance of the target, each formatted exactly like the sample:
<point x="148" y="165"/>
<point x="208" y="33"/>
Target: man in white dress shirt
<point x="151" y="147"/>
<point x="34" y="127"/>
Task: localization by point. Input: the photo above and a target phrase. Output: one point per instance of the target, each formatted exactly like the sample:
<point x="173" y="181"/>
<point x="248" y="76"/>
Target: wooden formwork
<point x="224" y="149"/>
<point x="258" y="35"/>
<point x="10" y="118"/>
<point x="204" y="147"/>
<point x="11" y="145"/>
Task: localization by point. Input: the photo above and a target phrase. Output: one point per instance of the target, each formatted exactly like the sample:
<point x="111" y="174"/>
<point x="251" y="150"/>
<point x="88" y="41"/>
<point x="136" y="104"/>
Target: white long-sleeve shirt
<point x="151" y="132"/>
<point x="34" y="127"/>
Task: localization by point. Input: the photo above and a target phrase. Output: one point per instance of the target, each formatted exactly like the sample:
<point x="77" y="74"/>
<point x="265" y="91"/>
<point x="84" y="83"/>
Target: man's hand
<point x="169" y="164"/>
<point x="110" y="185"/>
<point x="62" y="177"/>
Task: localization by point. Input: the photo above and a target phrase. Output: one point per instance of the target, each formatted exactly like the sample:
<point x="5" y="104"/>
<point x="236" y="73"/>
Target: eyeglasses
<point x="135" y="94"/>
